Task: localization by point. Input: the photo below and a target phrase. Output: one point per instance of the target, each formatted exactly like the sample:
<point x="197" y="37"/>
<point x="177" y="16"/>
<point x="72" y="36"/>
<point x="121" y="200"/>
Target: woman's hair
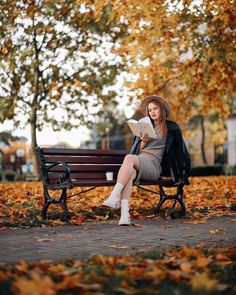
<point x="162" y="118"/>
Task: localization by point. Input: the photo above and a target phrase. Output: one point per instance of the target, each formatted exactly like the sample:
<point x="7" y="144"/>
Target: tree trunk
<point x="203" y="141"/>
<point x="34" y="142"/>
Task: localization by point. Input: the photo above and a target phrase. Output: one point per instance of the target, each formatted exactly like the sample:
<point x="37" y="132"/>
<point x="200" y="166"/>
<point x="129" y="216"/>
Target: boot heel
<point x="124" y="221"/>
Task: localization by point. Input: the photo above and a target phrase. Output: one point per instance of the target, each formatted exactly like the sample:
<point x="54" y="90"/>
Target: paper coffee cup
<point x="109" y="175"/>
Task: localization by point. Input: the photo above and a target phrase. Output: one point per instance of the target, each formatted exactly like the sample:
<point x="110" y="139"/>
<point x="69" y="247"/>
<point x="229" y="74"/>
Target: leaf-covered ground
<point x="177" y="271"/>
<point x="180" y="270"/>
<point x="21" y="203"/>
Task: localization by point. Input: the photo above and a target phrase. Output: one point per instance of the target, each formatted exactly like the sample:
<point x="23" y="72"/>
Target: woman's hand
<point x="144" y="140"/>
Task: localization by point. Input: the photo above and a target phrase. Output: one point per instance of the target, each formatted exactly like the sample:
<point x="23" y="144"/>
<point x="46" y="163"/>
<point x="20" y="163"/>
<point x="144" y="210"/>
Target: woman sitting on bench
<point x="144" y="160"/>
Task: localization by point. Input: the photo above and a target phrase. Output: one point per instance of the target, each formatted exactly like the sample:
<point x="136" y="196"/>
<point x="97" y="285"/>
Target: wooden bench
<point x="63" y="169"/>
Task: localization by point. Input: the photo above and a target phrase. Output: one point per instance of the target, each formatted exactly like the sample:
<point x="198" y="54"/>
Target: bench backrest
<point x="84" y="164"/>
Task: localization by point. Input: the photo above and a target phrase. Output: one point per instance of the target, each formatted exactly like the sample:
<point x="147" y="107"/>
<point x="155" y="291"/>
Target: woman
<point x="146" y="164"/>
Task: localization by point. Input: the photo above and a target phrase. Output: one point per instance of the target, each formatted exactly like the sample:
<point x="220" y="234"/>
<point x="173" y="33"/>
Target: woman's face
<point x="154" y="111"/>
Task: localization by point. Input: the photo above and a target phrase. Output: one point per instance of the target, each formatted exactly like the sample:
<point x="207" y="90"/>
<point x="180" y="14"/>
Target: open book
<point x="143" y="126"/>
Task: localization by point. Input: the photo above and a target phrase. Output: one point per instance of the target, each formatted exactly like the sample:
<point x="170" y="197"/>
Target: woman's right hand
<point x="144" y="139"/>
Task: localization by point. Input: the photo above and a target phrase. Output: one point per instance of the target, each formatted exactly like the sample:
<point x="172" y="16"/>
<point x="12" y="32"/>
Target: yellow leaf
<point x="118" y="247"/>
<point x="37" y="285"/>
<point x="215" y="231"/>
<point x="202" y="282"/>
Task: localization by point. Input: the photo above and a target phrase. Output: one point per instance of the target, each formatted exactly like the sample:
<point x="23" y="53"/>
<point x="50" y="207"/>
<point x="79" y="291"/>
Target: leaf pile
<point x="178" y="270"/>
<point x="21" y="203"/>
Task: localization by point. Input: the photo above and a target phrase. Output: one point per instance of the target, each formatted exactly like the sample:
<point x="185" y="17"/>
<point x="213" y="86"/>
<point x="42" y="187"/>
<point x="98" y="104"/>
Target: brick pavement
<point x="68" y="241"/>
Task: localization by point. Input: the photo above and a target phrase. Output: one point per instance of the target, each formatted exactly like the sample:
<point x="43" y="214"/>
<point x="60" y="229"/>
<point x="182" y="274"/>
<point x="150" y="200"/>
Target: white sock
<point x="116" y="191"/>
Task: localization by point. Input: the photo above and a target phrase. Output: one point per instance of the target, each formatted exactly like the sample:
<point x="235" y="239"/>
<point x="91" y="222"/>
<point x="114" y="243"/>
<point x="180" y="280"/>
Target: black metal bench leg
<point x="46" y="204"/>
<point x="181" y="200"/>
<point x="161" y="201"/>
<point x="63" y="203"/>
<point x="48" y="201"/>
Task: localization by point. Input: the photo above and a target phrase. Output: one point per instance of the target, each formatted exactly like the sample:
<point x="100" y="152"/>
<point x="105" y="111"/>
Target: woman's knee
<point x="130" y="158"/>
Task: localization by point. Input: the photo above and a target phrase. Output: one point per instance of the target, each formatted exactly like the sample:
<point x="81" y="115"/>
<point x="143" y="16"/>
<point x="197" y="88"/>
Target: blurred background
<point x="73" y="72"/>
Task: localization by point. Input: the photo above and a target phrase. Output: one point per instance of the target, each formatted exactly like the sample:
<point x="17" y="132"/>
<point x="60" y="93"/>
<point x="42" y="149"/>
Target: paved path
<point x="68" y="241"/>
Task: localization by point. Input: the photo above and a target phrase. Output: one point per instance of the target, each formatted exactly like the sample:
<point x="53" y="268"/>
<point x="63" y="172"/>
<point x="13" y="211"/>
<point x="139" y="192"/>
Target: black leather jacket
<point x="176" y="161"/>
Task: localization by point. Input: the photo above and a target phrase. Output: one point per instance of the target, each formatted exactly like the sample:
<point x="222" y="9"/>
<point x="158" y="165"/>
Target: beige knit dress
<point x="150" y="158"/>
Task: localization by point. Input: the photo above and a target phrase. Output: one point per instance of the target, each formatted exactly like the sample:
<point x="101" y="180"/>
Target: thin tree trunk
<point x="34" y="142"/>
<point x="203" y="141"/>
<point x="33" y="118"/>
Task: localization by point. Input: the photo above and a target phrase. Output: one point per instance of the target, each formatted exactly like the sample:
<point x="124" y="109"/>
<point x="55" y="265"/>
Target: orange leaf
<point x="186" y="267"/>
<point x="202" y="261"/>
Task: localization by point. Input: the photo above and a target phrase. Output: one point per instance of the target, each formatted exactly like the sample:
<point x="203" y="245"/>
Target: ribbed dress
<point x="150" y="158"/>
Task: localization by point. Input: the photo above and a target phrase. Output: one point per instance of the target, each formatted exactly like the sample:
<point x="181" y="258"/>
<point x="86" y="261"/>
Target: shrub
<point x="213" y="170"/>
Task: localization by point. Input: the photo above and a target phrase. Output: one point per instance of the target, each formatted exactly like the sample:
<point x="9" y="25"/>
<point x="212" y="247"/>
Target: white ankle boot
<point x="112" y="202"/>
<point x="125" y="216"/>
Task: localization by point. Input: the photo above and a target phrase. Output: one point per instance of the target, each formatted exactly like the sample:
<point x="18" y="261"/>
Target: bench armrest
<point x="66" y="170"/>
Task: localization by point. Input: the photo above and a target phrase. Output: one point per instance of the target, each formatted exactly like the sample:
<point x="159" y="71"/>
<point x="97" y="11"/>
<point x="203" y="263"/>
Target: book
<point x="143" y="126"/>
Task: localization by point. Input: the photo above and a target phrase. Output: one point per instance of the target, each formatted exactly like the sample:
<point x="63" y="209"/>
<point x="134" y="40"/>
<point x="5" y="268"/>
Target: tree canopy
<point x="54" y="57"/>
<point x="181" y="49"/>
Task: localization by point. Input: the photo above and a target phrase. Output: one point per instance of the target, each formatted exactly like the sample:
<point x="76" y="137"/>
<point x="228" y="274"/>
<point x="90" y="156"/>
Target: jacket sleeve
<point x="183" y="157"/>
<point x="136" y="146"/>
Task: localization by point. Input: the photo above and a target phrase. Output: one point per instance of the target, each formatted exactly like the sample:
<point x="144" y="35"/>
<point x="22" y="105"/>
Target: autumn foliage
<point x="179" y="269"/>
<point x="21" y="203"/>
<point x="197" y="270"/>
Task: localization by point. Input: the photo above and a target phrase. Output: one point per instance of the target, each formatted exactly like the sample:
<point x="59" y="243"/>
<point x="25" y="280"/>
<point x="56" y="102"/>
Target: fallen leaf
<point x="215" y="231"/>
<point x="118" y="247"/>
<point x="138" y="225"/>
<point x="202" y="282"/>
<point x="201" y="262"/>
<point x="22" y="266"/>
<point x="186" y="267"/>
<point x="89" y="287"/>
<point x="44" y="240"/>
<point x="36" y="285"/>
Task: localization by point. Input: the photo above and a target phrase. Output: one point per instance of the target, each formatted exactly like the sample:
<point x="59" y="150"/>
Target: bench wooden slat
<point x="83" y="152"/>
<point x="81" y="168"/>
<point x="80" y="181"/>
<point x="87" y="160"/>
<point x="89" y="175"/>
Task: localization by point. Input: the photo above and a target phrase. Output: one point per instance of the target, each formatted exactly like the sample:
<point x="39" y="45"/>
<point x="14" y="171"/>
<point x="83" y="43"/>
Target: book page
<point x="143" y="126"/>
<point x="146" y="127"/>
<point x="134" y="126"/>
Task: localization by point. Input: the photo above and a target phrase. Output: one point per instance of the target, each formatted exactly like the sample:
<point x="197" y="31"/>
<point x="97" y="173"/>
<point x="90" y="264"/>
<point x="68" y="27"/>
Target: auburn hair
<point x="162" y="118"/>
